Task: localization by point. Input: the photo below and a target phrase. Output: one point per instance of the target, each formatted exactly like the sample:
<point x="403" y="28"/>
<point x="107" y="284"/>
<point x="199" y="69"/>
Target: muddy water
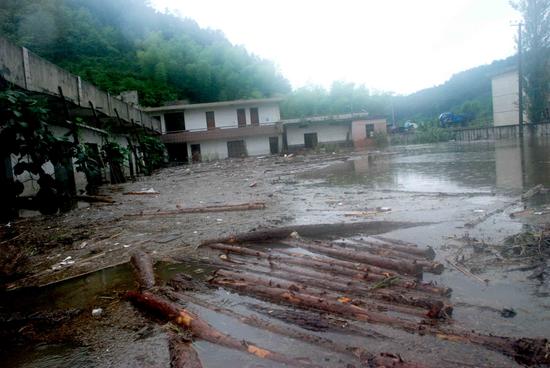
<point x="447" y="185"/>
<point x="454" y="167"/>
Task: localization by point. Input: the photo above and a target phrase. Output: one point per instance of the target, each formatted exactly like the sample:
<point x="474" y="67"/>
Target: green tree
<point x="536" y="39"/>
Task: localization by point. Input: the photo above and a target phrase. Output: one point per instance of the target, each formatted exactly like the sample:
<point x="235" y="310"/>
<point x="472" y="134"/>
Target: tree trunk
<point x="202" y="330"/>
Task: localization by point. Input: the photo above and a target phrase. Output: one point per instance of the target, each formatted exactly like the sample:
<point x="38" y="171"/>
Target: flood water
<point x="449" y="167"/>
<point x="444" y="185"/>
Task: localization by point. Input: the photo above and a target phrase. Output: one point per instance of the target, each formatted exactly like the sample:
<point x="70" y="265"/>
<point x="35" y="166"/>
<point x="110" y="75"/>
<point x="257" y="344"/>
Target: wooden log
<point x="359" y="252"/>
<point x="386" y="360"/>
<point x="182" y="353"/>
<point x="95" y="199"/>
<point x="427" y="253"/>
<point x="347" y="265"/>
<point x="254" y="321"/>
<point x="434" y="308"/>
<point x="327" y="265"/>
<point x="143" y="267"/>
<point x="315" y="231"/>
<point x="405" y="267"/>
<point x="202" y="330"/>
<point x="331" y="265"/>
<point x="395" y="241"/>
<point x="314" y="302"/>
<point x="216" y="208"/>
<point x="276" y="282"/>
<point x="527" y="351"/>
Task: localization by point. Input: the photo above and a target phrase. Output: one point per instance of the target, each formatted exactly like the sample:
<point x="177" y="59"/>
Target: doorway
<point x="310" y="140"/>
<point x="177" y="152"/>
<point x="274" y="145"/>
<point x="236" y="149"/>
<point x="196" y="152"/>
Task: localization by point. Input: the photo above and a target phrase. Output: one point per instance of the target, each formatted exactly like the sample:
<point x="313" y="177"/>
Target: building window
<point x="241" y="117"/>
<point x="210" y="120"/>
<point x="254" y="116"/>
<point x="174" y="121"/>
<point x="369" y="130"/>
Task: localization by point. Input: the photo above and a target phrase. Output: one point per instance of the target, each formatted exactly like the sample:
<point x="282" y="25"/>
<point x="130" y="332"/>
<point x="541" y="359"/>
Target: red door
<point x="241" y="117"/>
<point x="210" y="121"/>
<point x="254" y="116"/>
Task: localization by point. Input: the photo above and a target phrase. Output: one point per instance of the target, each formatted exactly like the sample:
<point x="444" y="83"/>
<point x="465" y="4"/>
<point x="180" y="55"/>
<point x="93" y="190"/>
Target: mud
<point x="443" y="187"/>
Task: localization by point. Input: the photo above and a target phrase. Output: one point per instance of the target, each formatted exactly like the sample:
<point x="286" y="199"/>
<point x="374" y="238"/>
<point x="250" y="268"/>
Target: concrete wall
<point x="217" y="150"/>
<point x="226" y="116"/>
<point x="359" y="131"/>
<point x="257" y="146"/>
<point x="505" y="99"/>
<point x="33" y="73"/>
<point x="86" y="136"/>
<point x="326" y="133"/>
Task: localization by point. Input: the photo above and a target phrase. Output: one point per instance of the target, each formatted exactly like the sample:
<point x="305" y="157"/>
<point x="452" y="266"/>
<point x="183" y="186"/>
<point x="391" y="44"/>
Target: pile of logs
<point x="371" y="280"/>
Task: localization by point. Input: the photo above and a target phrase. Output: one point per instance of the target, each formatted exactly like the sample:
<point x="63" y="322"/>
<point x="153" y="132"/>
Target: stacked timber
<point x="349" y="284"/>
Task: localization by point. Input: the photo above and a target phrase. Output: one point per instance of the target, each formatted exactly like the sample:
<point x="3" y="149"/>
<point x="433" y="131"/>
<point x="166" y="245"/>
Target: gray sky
<point x="388" y="45"/>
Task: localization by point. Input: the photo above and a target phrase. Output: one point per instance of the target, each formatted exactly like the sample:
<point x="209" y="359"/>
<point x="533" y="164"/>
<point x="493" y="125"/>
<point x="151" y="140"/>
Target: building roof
<point x="340" y="118"/>
<point x="208" y="105"/>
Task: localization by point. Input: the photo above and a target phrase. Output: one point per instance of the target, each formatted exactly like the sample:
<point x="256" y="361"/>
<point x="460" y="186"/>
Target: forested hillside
<point x="467" y="92"/>
<point x="124" y="45"/>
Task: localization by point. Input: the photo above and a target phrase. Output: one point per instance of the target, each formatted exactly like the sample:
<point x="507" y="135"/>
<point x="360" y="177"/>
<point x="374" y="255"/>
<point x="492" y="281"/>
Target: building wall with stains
<point x="360" y="128"/>
<point x="327" y="133"/>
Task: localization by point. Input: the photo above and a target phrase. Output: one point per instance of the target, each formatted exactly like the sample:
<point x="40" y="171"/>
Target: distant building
<point x="311" y="131"/>
<point x="363" y="131"/>
<point x="505" y="96"/>
<point x="218" y="130"/>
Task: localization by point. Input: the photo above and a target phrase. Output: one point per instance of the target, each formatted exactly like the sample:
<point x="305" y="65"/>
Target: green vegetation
<point x="25" y="135"/>
<point x="125" y="45"/>
<point x="467" y="92"/>
<point x="536" y="38"/>
<point x="342" y="98"/>
<point x="380" y="139"/>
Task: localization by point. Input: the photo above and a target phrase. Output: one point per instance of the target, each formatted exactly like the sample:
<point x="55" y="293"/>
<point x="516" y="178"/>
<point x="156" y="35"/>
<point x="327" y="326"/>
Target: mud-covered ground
<point x="465" y="199"/>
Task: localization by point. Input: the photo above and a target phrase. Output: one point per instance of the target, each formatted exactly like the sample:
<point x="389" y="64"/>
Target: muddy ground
<point x="463" y="200"/>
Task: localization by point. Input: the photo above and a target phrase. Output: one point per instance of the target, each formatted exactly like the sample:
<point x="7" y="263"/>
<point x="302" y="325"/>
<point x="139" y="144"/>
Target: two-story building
<point x="217" y="130"/>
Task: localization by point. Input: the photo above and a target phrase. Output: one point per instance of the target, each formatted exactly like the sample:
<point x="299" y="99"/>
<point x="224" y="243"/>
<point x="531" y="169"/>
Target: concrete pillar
<point x="79" y="90"/>
<point x="26" y="68"/>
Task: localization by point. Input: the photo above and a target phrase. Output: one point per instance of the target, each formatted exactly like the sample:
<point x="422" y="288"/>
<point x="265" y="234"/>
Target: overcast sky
<point x="389" y="45"/>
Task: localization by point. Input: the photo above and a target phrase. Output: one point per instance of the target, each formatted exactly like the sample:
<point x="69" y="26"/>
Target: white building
<point x="329" y="130"/>
<point x="505" y="95"/>
<point x="217" y="130"/>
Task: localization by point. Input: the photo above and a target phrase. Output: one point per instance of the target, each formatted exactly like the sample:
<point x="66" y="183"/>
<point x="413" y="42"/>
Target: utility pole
<point x="520" y="83"/>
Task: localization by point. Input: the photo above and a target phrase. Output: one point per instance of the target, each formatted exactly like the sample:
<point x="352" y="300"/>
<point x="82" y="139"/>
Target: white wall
<point x="506" y="99"/>
<point x="85" y="136"/>
<point x="326" y="133"/>
<point x="217" y="150"/>
<point x="256" y="146"/>
<point x="210" y="150"/>
<point x="226" y="116"/>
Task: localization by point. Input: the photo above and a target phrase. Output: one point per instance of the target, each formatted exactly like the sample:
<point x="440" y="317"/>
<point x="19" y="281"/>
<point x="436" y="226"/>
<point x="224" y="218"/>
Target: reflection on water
<point x="451" y="167"/>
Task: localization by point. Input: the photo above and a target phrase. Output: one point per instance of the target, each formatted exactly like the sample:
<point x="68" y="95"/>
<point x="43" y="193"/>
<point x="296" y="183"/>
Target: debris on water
<point x="508" y="313"/>
<point x="65" y="262"/>
<point x="149" y="191"/>
<point x="295" y="235"/>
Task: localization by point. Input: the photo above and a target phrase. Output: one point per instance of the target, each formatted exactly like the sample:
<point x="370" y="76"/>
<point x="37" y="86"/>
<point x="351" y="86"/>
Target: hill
<point x="124" y="45"/>
<point x="467" y="92"/>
